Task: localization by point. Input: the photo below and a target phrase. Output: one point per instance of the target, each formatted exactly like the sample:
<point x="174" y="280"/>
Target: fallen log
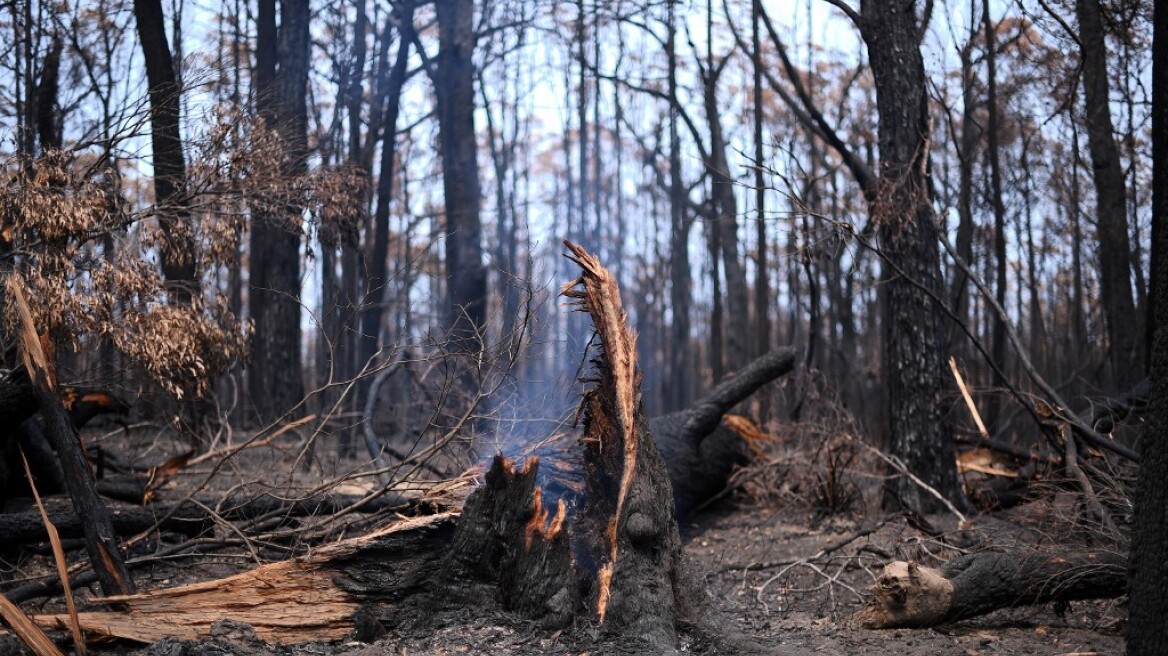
<point x="910" y="595"/>
<point x="613" y="560"/>
<point x="17" y="400"/>
<point x="699" y="448"/>
<point x="191" y="518"/>
<point x="18" y="404"/>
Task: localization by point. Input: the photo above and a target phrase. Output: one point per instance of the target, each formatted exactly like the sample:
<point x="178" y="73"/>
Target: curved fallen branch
<point x="700" y="448"/>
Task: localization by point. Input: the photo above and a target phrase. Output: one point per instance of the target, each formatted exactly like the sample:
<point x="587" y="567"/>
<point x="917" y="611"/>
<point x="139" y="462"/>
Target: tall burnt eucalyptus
<point x="905" y="222"/>
<point x="281" y="78"/>
<point x="454" y="88"/>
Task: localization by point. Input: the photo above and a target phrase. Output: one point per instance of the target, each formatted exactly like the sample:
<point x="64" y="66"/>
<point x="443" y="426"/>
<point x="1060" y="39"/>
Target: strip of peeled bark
<point x="909" y="595"/>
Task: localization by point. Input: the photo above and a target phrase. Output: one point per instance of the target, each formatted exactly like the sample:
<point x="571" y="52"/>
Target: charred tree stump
<point x="613" y="560"/>
<point x="909" y="595"/>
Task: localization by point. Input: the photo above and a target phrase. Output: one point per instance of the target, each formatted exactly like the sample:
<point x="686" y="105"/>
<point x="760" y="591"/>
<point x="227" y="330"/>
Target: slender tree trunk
<point x="350" y="300"/>
<point x="1078" y="292"/>
<point x="1148" y="583"/>
<point x="1038" y="345"/>
<point x="994" y="157"/>
<point x="762" y="294"/>
<point x="1110" y="195"/>
<point x="166" y="139"/>
<point x="48" y="121"/>
<point x="678" y="391"/>
<point x="377" y="279"/>
<point x="454" y="87"/>
<point x="275" y="376"/>
<point x="970" y="137"/>
<point x="726" y="225"/>
<point x="583" y="130"/>
<point x="717" y="357"/>
<point x="912" y="356"/>
<point x="761" y="286"/>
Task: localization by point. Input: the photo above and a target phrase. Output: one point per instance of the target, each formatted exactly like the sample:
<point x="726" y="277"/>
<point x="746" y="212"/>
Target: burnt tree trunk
<point x="166" y="139"/>
<point x="613" y="561"/>
<point x="1148" y="586"/>
<point x="48" y="110"/>
<point x="726" y="227"/>
<point x="281" y="79"/>
<point x="1110" y="196"/>
<point x="677" y="394"/>
<point x="903" y="214"/>
<point x="100" y="541"/>
<point x="701" y="446"/>
<point x="454" y="89"/>
<point x="377" y="277"/>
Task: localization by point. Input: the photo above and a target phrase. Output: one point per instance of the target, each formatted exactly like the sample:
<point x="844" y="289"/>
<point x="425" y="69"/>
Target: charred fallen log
<point x="18" y="405"/>
<point x="699" y="448"/>
<point x="191" y="518"/>
<point x="909" y="595"/>
<point x="83" y="405"/>
<point x="614" y="561"/>
<point x="17" y="401"/>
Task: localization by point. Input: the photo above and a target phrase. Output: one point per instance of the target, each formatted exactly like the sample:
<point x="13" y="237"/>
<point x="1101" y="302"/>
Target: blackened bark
<point x="48" y="122"/>
<point x="1148" y="584"/>
<point x="616" y="564"/>
<point x="726" y="227"/>
<point x="717" y="357"/>
<point x="761" y="284"/>
<point x="970" y="137"/>
<point x="699" y="449"/>
<point x="377" y="261"/>
<point x="677" y="393"/>
<point x="281" y="78"/>
<point x="349" y="301"/>
<point x="992" y="151"/>
<point x="100" y="539"/>
<point x="1110" y="196"/>
<point x="170" y="169"/>
<point x="454" y="87"/>
<point x="906" y="230"/>
<point x="908" y="595"/>
<point x="17" y="401"/>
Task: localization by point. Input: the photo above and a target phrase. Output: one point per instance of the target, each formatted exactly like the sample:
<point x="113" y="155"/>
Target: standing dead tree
<point x="613" y="560"/>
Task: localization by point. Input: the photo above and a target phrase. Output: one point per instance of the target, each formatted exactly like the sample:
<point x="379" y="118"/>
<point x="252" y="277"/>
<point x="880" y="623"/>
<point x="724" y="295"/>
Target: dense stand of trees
<point x="754" y="178"/>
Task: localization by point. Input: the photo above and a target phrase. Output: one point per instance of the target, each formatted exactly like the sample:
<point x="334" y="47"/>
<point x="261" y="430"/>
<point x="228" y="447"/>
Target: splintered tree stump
<point x="611" y="558"/>
<point x="912" y="596"/>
